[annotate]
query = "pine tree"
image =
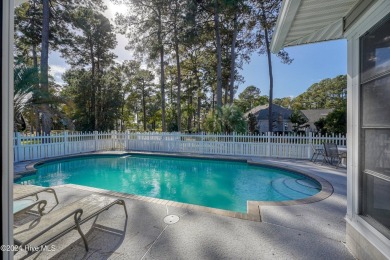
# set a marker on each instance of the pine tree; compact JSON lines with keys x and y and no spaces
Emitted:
{"x":90,"y":53}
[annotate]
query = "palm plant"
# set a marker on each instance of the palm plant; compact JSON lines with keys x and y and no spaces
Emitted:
{"x":226,"y":119}
{"x":232,"y":119}
{"x":25,"y":80}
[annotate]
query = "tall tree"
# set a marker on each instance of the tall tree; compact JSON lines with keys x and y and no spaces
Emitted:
{"x":233,"y":57}
{"x":236,"y":20}
{"x":177,"y":24}
{"x":91,"y":54}
{"x":144,"y":82}
{"x":146,"y":30}
{"x":46,"y":117}
{"x":128,"y":71}
{"x":219,"y":52}
{"x":45,"y":22}
{"x":28,"y":28}
{"x":267,"y":11}
{"x":328,"y":93}
{"x":249,"y":98}
{"x":162,"y":68}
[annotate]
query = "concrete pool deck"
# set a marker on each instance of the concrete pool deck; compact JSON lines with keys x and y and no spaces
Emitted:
{"x":305,"y":231}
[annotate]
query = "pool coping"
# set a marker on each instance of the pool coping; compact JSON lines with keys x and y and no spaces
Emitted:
{"x":253,"y":207}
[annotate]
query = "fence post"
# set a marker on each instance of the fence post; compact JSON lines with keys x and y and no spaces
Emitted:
{"x":234,"y":143}
{"x":202,"y":141}
{"x":177,"y":140}
{"x":66,"y":143}
{"x":164,"y":143}
{"x":268,"y":144}
{"x":95,"y":134}
{"x":113,"y":139}
{"x":310,"y":151}
{"x":127,"y":140}
{"x":18,"y":147}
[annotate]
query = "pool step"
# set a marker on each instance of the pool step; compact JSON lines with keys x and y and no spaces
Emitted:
{"x":296,"y":186}
{"x":292,"y":189}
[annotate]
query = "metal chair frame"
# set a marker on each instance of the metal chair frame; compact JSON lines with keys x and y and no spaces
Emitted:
{"x":316,"y":152}
{"x":332,"y":155}
{"x":78,"y":220}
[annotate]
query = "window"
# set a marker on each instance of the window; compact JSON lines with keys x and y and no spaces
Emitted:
{"x":375,"y":127}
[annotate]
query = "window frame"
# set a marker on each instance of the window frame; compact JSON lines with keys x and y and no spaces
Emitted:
{"x":363,"y":173}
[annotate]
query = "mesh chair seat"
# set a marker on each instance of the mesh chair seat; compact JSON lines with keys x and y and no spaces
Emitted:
{"x":332,"y":155}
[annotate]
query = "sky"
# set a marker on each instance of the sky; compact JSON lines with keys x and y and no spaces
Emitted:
{"x":311,"y":64}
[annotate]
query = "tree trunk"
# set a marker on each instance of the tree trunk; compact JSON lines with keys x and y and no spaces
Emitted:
{"x":144,"y":105}
{"x":199,"y":107}
{"x":162,"y":80}
{"x":34,"y":54}
{"x":178,"y":71}
{"x":98,"y":99}
{"x":271,"y":80}
{"x":46,"y":117}
{"x":199,"y":97}
{"x":35,"y":108}
{"x":226,"y":84}
{"x":233,"y":57}
{"x":178,"y":88}
{"x":189,"y":108}
{"x":212,"y":100}
{"x":34,"y":45}
{"x":189,"y":105}
{"x":35,"y":64}
{"x":38,"y":129}
{"x":123,"y":112}
{"x":219,"y":54}
{"x":171,"y":92}
{"x":93,"y":108}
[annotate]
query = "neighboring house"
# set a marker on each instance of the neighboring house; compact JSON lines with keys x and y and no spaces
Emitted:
{"x":313,"y":115}
{"x":281,"y":118}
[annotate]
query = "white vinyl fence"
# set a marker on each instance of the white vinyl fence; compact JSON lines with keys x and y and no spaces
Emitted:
{"x":28,"y":147}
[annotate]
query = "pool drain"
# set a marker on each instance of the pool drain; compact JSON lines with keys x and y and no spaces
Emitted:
{"x":171,"y":219}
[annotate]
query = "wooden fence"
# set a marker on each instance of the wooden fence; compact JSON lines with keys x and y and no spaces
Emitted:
{"x":29,"y":147}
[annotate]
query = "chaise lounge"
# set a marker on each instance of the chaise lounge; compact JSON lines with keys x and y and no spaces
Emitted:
{"x":60,"y":222}
{"x":24,"y":191}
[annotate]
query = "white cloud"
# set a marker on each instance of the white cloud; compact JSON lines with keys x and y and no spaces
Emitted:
{"x":112,"y":9}
{"x":56,"y":71}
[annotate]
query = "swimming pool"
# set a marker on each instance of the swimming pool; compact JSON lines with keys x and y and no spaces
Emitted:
{"x":212,"y":183}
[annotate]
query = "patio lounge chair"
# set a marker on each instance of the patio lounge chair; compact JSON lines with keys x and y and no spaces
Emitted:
{"x":23,"y":205}
{"x":58,"y":223}
{"x":331,"y":155}
{"x":317,"y":151}
{"x":24,"y":191}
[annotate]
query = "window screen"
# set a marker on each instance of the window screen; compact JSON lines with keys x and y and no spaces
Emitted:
{"x":375,"y":126}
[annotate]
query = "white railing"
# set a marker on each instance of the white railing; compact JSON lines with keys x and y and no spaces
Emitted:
{"x":28,"y":147}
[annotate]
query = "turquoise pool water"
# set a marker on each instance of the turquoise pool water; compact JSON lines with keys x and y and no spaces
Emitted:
{"x":212,"y":183}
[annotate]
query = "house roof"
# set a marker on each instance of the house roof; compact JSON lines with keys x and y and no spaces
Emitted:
{"x":308,"y":21}
{"x":255,"y":110}
{"x":261,"y":112}
{"x":313,"y":115}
